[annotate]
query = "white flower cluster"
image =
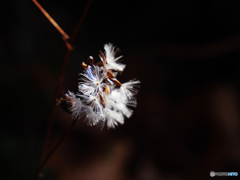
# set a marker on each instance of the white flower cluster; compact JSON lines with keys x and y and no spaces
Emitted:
{"x":102,"y":99}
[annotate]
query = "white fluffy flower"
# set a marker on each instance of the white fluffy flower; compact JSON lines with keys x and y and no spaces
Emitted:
{"x":102,"y":99}
{"x":92,"y":80}
{"x":111,"y":60}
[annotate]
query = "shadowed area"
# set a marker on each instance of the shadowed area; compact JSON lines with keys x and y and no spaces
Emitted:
{"x":186,"y":55}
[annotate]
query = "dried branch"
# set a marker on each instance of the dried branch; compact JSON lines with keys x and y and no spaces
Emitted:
{"x":56,"y":146}
{"x":68,"y":41}
{"x":65,"y":36}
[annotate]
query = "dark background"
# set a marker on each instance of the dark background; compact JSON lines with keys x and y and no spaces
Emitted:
{"x":186,"y":55}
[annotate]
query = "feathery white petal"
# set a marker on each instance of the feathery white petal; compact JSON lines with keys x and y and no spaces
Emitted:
{"x":94,"y":102}
{"x":113,"y":117}
{"x":90,"y":116}
{"x":129,"y":88}
{"x":92,"y":79}
{"x":121,"y":103}
{"x":76,"y":105}
{"x":112,"y":63}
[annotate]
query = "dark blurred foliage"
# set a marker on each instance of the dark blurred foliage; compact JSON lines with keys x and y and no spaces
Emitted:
{"x":187,"y":120}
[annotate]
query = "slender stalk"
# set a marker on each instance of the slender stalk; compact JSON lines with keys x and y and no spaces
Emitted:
{"x":56,"y":146}
{"x":74,"y":34}
{"x":54,"y":107}
{"x":53,"y":150}
{"x":68,"y":41}
{"x":60,"y":80}
{"x":51,"y":20}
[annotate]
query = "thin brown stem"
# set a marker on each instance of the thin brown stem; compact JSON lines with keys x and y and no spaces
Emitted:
{"x":74,"y":34}
{"x":56,"y":146}
{"x":66,"y":37}
{"x":60,"y":80}
{"x":53,"y":150}
{"x":54,"y":107}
